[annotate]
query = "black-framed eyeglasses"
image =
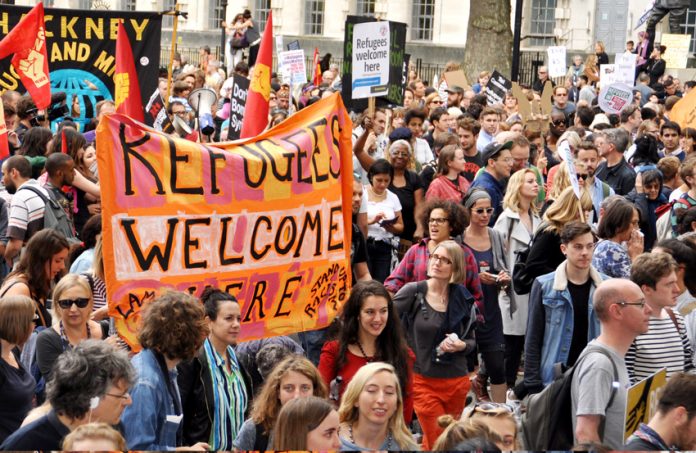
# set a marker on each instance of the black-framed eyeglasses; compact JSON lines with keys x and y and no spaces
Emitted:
{"x":583,"y":177}
{"x":437,"y":221}
{"x":125,"y":396}
{"x":81,"y":302}
{"x":640,"y":304}
{"x":440,"y":259}
{"x":480,"y":211}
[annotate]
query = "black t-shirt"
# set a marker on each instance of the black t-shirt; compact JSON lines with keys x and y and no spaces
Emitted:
{"x":45,"y":433}
{"x":580,"y":294}
{"x":473,"y":165}
{"x":16,"y":392}
{"x":358,"y":249}
{"x":407,"y":198}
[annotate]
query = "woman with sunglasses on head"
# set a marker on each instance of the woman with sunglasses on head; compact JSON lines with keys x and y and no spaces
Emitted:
{"x":42,"y":262}
{"x":294,"y":377}
{"x":500,"y":419}
{"x":213,"y":385}
{"x":369,"y":330}
{"x":371,"y":412}
{"x":517,"y":224}
{"x":449,"y":183}
{"x":384,"y":220}
{"x":619,"y":224}
{"x":439,"y":316}
{"x":72,"y":309}
{"x":489,"y":252}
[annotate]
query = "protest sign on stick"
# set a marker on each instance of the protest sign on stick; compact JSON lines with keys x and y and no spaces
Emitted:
{"x":240,"y":89}
{"x":625,"y":65}
{"x":557,"y":61}
{"x":607,"y":74}
{"x":677,"y":53}
{"x":267,"y":219}
{"x":370,"y":75}
{"x":292,"y":65}
{"x":498,"y":86}
{"x":613,"y":98}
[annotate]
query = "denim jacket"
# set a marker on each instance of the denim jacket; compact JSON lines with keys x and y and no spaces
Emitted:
{"x":550,"y":293}
{"x":145,"y":421}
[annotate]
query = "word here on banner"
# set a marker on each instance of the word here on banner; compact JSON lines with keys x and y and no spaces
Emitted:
{"x":266,"y":219}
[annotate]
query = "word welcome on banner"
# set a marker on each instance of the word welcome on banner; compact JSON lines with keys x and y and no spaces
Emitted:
{"x":81,"y":48}
{"x":267,"y":219}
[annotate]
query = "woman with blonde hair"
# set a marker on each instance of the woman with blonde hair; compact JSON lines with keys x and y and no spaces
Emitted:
{"x":561,"y":181}
{"x":71,"y":313}
{"x":517,"y":224}
{"x":294,"y":377}
{"x":371,"y":412}
{"x":432,"y":102}
{"x":483,"y":78}
{"x":591,"y":69}
{"x":574,"y":141}
{"x":545,"y":252}
{"x":94,"y":437}
{"x":498,"y":418}
{"x":456,"y":432}
{"x":439,"y":316}
{"x":307,"y":424}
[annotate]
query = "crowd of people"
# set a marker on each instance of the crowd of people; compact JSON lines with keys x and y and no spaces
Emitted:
{"x":485,"y":259}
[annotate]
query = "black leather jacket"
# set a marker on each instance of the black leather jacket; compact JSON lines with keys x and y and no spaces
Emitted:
{"x":197,"y":399}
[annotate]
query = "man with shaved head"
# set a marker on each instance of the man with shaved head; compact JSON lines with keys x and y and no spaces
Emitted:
{"x":600,"y":381}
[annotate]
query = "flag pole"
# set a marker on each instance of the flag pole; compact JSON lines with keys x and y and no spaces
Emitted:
{"x":171,"y":52}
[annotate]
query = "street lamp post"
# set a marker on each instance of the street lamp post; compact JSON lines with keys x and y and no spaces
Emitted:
{"x":223,"y":35}
{"x":516,"y":39}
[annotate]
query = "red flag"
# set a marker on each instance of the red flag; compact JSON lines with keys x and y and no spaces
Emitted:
{"x":27,"y":41}
{"x":126,"y":87}
{"x":317,"y":68}
{"x":256,"y":110}
{"x":4,"y":144}
{"x":63,"y":142}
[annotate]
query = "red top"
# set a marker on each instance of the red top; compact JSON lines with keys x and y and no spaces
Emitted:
{"x":327,"y":368}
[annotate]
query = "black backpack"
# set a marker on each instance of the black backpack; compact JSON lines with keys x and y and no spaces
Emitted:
{"x":547,"y":423}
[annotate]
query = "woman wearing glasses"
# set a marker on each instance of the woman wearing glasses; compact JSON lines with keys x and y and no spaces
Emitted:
{"x":439,"y":316}
{"x":72,"y":308}
{"x":489,"y":252}
{"x":432,"y":102}
{"x":449,"y":183}
{"x":384,"y":221}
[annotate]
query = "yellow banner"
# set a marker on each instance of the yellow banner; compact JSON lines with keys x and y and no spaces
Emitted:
{"x":641,"y":402}
{"x":267,"y":219}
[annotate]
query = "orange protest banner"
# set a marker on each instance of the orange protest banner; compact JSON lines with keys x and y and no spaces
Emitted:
{"x":684,"y":111}
{"x":267,"y":219}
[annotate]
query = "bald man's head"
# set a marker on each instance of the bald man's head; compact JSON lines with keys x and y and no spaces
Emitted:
{"x":612,"y":291}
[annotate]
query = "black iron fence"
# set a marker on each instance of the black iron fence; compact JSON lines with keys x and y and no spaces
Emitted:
{"x":529,"y":63}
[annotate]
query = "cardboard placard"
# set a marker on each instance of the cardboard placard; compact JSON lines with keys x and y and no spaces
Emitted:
{"x":457,"y":78}
{"x":677,"y":53}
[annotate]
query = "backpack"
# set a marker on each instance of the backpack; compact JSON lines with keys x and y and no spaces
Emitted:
{"x":521,"y":283}
{"x":547,"y":423}
{"x":54,"y":215}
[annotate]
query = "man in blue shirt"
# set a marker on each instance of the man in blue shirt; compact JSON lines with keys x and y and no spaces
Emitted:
{"x":498,"y":160}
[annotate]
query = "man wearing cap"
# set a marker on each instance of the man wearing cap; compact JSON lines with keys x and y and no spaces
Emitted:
{"x":498,"y":161}
{"x":455,"y":94}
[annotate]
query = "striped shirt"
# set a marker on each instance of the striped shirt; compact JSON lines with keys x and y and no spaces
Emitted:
{"x":230,"y":398}
{"x":661,"y":347}
{"x":26,"y":212}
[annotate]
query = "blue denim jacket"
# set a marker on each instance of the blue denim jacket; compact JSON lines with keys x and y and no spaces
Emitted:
{"x":145,"y":422}
{"x":550,"y":294}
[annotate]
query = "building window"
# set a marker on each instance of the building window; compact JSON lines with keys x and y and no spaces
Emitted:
{"x":314,"y":17}
{"x":129,"y":5}
{"x":365,"y":8}
{"x":543,"y":21}
{"x":422,"y":20}
{"x":167,"y":20}
{"x":84,"y":4}
{"x":217,"y":14}
{"x":262,"y":9}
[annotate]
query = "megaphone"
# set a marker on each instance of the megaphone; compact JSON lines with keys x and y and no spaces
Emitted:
{"x":201,"y":100}
{"x":181,"y":126}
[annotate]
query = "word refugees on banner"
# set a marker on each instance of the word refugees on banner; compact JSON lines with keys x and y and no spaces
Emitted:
{"x":267,"y":219}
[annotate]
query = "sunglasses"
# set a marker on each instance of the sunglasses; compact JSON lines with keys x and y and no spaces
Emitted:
{"x":81,"y":302}
{"x":559,"y":123}
{"x":583,"y":177}
{"x":496,"y":408}
{"x":480,"y":211}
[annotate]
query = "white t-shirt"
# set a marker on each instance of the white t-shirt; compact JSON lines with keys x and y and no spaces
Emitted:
{"x":390,"y":206}
{"x":423,"y":152}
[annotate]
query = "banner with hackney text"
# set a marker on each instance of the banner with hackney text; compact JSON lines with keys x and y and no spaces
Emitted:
{"x":81,"y":47}
{"x":267,"y":219}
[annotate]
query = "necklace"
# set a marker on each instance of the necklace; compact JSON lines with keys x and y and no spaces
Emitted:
{"x":64,"y":337}
{"x":389,"y":439}
{"x":362,"y":351}
{"x":375,"y":196}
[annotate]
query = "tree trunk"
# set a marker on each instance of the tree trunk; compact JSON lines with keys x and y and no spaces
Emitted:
{"x":489,"y":38}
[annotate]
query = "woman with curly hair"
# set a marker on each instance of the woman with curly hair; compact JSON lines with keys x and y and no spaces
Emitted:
{"x":370,"y":330}
{"x":294,"y":377}
{"x":213,"y":385}
{"x":173,"y":329}
{"x":371,"y":412}
{"x":41,"y":264}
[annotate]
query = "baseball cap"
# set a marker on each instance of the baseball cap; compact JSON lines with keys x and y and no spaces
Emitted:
{"x":455,"y":89}
{"x":493,"y":149}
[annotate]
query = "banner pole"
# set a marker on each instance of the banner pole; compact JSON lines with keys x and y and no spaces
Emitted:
{"x":371,"y":107}
{"x":171,"y":55}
